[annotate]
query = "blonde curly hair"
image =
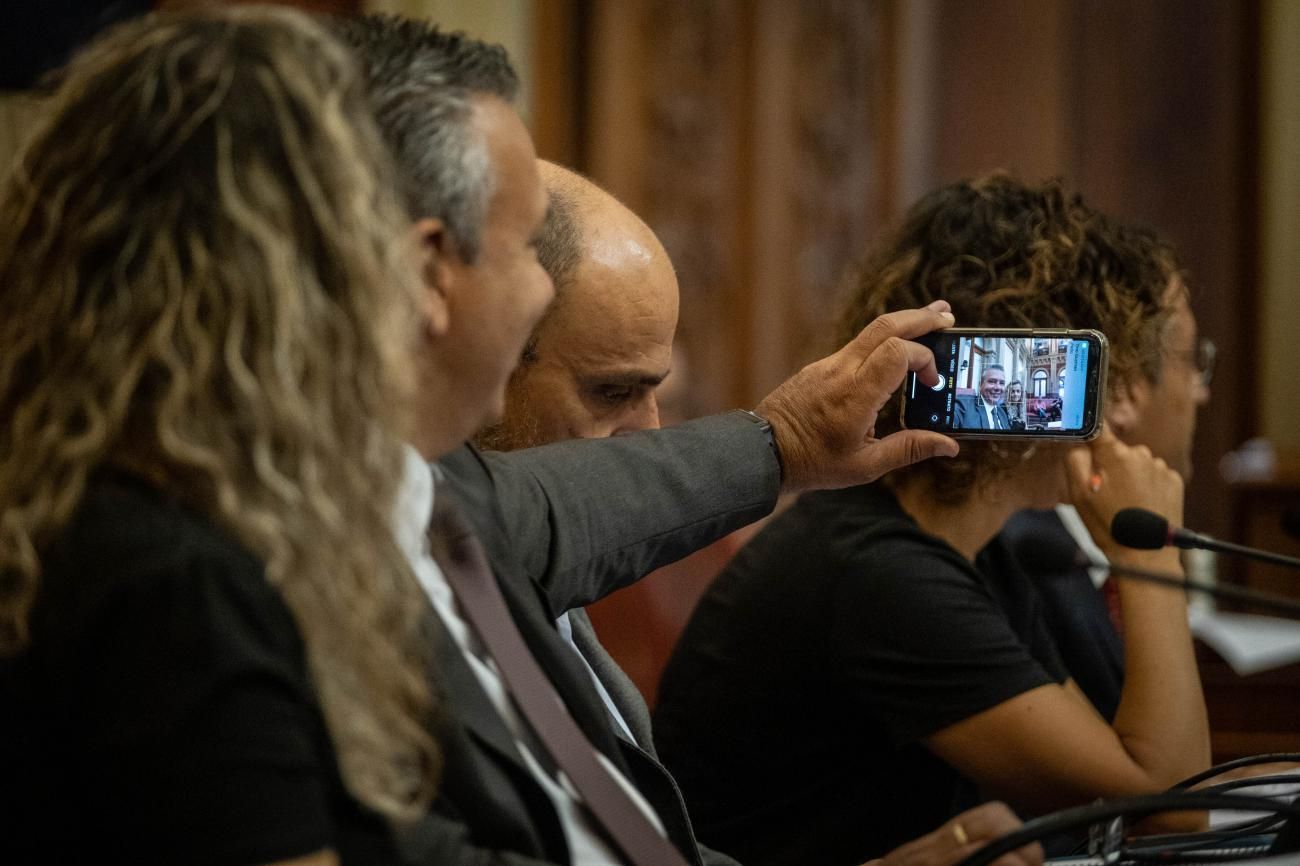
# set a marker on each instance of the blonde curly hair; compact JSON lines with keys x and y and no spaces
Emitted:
{"x":1007,"y":254}
{"x":202,"y":281}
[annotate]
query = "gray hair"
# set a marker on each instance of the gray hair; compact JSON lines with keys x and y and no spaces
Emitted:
{"x":422,"y":83}
{"x":986,"y":370}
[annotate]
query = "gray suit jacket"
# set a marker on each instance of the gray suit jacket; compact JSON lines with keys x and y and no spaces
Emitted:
{"x":631,"y":706}
{"x":564,"y":526}
{"x":969,"y":414}
{"x":622,"y":691}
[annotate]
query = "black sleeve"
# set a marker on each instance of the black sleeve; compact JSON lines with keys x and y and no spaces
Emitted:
{"x":588,"y":517}
{"x":202,"y":741}
{"x":922,"y":644}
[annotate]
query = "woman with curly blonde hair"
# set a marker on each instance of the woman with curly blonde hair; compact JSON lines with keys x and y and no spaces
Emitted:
{"x":879,"y":634}
{"x":209,"y":640}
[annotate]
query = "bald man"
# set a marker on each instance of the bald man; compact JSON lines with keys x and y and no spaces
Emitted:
{"x":590,"y":369}
{"x":593,"y":363}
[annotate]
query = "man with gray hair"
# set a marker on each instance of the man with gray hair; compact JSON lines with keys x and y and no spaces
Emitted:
{"x":984,"y":410}
{"x":532,"y":769}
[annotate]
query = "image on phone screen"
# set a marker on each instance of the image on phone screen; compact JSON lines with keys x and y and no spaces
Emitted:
{"x":992,"y":385}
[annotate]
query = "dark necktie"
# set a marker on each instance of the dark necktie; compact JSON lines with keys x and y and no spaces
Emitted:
{"x":470,"y":576}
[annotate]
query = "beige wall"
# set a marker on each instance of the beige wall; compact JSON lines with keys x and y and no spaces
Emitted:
{"x":1279,"y":383}
{"x":508,"y":22}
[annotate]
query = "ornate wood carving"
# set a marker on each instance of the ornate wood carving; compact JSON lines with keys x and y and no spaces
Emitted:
{"x":692,"y":174}
{"x":835,"y":200}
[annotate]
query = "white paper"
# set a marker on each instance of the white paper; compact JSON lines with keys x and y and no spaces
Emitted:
{"x":1247,"y":642}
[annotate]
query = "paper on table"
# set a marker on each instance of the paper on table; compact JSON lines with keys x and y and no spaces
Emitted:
{"x":1247,"y":642}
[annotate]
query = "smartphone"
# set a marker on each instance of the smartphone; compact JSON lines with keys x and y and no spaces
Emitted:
{"x":1011,"y":383}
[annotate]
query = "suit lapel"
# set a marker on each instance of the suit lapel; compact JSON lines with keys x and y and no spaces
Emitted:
{"x":622,"y":691}
{"x":566,"y":672}
{"x":464,"y":697}
{"x":528,"y":608}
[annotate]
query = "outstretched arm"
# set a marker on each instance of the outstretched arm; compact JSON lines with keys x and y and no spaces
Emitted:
{"x":585,"y":518}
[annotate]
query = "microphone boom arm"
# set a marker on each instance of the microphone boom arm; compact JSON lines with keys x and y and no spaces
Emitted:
{"x":1186,"y":539}
{"x":1263,"y":600}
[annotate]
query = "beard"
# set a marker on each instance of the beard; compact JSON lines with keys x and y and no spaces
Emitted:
{"x":515,"y":431}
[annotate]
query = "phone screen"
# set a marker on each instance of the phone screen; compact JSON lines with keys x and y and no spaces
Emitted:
{"x":991,"y":384}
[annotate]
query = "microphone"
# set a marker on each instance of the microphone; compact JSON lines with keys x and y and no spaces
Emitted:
{"x":1146,"y":530}
{"x":1056,"y":558}
{"x":1141,"y":529}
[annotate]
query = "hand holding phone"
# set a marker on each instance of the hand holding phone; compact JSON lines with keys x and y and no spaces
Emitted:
{"x":1011,"y":384}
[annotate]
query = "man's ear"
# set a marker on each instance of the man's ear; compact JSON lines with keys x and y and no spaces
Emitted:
{"x":440,"y":269}
{"x":1125,"y":407}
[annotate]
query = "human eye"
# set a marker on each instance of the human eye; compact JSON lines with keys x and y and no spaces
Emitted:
{"x":613,"y":394}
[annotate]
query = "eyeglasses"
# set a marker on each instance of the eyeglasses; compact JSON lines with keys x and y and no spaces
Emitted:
{"x":1202,"y":359}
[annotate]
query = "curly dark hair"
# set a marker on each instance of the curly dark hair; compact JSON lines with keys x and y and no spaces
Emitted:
{"x":1006,"y":254}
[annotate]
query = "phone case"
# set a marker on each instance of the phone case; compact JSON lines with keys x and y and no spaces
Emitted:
{"x":1030,"y":333}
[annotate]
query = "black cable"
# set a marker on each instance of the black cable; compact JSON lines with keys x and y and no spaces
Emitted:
{"x":1195,"y":842}
{"x":1129,"y":808}
{"x":1254,"y":782}
{"x":1151,"y":847}
{"x":1249,"y":761}
{"x":1220,"y":835}
{"x":1166,"y":842}
{"x":1226,"y":833}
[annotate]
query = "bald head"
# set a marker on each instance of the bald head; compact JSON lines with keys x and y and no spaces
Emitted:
{"x":593,"y":363}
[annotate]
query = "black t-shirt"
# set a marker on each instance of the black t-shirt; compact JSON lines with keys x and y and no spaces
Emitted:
{"x":1074,"y":609}
{"x":792,"y":710}
{"x":163,"y":711}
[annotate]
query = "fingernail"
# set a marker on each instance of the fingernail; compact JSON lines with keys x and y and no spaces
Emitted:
{"x":948,"y":317}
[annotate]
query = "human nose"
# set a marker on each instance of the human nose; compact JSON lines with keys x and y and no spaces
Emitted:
{"x":643,"y":416}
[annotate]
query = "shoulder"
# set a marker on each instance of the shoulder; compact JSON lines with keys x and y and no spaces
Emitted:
{"x":858,"y":536}
{"x":168,"y":671}
{"x":132,"y":554}
{"x":466,"y":460}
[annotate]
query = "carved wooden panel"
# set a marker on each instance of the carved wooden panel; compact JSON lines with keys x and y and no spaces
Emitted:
{"x":668,"y":136}
{"x":747,"y":134}
{"x":752,"y":136}
{"x":1166,"y":134}
{"x":1146,"y":109}
{"x":824,"y":143}
{"x":767,"y":141}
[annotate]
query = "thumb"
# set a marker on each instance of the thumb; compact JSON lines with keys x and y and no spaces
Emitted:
{"x":1078,"y":470}
{"x":903,"y":449}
